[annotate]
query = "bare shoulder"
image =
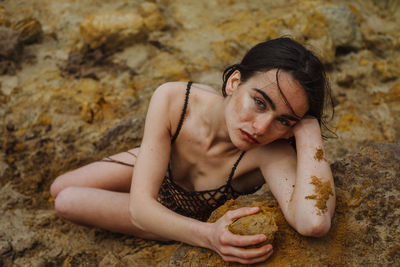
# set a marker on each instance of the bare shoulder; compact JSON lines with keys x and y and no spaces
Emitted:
{"x":172,"y":90}
{"x":173,"y":94}
{"x":169,"y":99}
{"x":169,"y":90}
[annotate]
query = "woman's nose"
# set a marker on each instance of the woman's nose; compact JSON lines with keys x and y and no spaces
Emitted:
{"x":262,"y":123}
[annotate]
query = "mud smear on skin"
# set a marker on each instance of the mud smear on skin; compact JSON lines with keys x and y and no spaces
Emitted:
{"x":319,"y":155}
{"x":322,"y":192}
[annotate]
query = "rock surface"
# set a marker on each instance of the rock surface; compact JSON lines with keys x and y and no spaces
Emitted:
{"x":365,"y":229}
{"x":64,"y":104}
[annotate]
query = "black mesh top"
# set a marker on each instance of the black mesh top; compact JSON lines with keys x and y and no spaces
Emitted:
{"x":196,"y":204}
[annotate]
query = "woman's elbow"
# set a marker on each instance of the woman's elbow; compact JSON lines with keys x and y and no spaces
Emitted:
{"x":316,"y":228}
{"x":133,"y":214}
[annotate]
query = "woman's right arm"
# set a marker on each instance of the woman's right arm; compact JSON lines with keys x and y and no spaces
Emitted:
{"x":150,"y":168}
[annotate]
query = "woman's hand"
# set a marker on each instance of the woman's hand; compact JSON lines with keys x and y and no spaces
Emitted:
{"x":231,"y":247}
{"x":306,"y":126}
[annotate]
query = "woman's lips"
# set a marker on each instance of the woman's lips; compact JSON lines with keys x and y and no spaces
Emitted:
{"x":248,"y":137}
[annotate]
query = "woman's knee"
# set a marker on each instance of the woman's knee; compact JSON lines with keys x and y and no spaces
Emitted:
{"x":58,"y":185}
{"x":64,"y":201}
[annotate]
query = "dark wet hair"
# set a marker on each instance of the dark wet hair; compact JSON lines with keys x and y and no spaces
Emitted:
{"x":290,"y":56}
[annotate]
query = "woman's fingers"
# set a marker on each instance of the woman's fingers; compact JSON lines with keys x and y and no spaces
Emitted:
{"x":233,"y":215}
{"x":245,"y":259}
{"x":235,"y":248}
{"x":230,"y":239}
{"x":247,"y":253}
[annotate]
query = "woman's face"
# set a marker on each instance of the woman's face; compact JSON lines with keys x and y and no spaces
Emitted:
{"x":257,"y":113}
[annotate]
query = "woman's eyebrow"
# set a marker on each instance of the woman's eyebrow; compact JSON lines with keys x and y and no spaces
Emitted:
{"x":290,"y":117}
{"x":266,"y":97}
{"x":272,"y":104}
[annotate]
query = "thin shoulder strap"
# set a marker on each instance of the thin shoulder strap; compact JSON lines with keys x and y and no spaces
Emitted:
{"x":183,"y":112}
{"x":234,"y":167}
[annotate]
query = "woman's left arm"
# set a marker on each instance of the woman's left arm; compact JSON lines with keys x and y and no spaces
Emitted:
{"x":303,"y":183}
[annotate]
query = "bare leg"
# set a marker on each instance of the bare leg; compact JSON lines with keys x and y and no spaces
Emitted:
{"x":103,"y":175}
{"x":100,"y":208}
{"x":98,"y":195}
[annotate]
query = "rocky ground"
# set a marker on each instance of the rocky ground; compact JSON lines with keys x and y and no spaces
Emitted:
{"x":76,"y":77}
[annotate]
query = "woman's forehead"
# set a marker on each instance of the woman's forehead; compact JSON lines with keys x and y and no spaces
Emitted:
{"x":280,"y":85}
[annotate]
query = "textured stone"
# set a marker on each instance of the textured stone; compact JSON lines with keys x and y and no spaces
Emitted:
{"x":121,"y":132}
{"x":260,"y":223}
{"x":203,"y":37}
{"x":152,"y":18}
{"x":4,"y":18}
{"x":112,"y":30}
{"x":4,"y":247}
{"x":110,"y":260}
{"x":10,"y":44}
{"x":365,"y":229}
{"x":343,"y":26}
{"x":29,"y":29}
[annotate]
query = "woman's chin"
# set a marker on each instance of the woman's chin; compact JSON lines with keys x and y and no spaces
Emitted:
{"x":244,"y":145}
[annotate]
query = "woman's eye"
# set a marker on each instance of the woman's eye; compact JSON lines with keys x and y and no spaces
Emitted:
{"x":259,"y":102}
{"x":284,"y":122}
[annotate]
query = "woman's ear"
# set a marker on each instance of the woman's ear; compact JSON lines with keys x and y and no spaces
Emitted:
{"x":233,"y":82}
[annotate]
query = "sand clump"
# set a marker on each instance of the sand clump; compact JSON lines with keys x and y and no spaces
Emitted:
{"x":323,"y":190}
{"x":319,"y":154}
{"x":260,"y":223}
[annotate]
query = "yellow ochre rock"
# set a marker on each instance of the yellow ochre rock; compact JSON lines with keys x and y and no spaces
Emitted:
{"x":29,"y":29}
{"x":112,"y":30}
{"x":152,"y":18}
{"x":4,"y":18}
{"x":260,"y":223}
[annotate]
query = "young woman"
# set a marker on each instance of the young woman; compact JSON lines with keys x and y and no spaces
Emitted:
{"x":200,"y":148}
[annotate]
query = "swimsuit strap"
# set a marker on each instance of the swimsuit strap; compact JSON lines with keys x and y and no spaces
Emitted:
{"x":234,"y":168}
{"x":189,"y":84}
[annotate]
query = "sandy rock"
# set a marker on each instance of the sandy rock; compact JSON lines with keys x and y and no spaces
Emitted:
{"x":4,"y":18}
{"x":134,"y":56}
{"x":155,"y":255}
{"x":317,"y":36}
{"x":32,"y":262}
{"x":343,"y":26}
{"x":204,"y":37}
{"x":323,"y":48}
{"x":23,"y":241}
{"x":8,"y":84}
{"x":29,"y":29}
{"x":11,"y":49}
{"x":260,"y":223}
{"x":152,"y":18}
{"x":154,"y":22}
{"x":4,"y":247}
{"x":387,"y":70}
{"x":366,"y":219}
{"x":10,"y":44}
{"x":124,"y":131}
{"x":110,"y":260}
{"x":148,"y":8}
{"x":166,"y":65}
{"x":379,"y":42}
{"x":112,"y":30}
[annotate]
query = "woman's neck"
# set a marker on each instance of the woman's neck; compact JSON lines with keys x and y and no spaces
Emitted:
{"x":217,"y":138}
